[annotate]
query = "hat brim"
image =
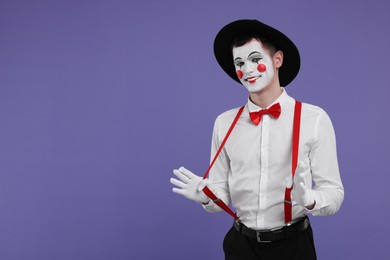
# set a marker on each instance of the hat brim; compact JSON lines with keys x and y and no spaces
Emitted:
{"x":225,"y":37}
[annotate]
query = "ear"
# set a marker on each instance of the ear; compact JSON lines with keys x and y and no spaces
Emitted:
{"x":278,"y":59}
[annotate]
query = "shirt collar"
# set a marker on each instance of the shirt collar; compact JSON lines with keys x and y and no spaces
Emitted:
{"x":252,"y":107}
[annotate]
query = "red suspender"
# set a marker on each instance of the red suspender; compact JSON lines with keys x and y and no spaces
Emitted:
{"x":294,"y":161}
{"x":295,"y":144}
{"x":206,"y":190}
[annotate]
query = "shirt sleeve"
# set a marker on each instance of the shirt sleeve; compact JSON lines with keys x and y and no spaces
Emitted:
{"x":328,"y":189}
{"x":219,"y":172}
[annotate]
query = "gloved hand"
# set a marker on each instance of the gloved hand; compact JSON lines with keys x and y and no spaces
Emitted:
{"x":190,"y":185}
{"x":300,"y":193}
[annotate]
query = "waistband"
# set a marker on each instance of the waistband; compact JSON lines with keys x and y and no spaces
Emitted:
{"x":270,"y":236}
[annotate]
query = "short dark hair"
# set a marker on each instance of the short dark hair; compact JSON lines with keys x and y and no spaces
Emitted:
{"x":243,"y":39}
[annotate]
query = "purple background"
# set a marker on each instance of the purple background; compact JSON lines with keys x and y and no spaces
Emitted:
{"x":100,"y":100}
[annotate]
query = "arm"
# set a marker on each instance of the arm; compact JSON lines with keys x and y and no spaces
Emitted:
{"x":328,"y":191}
{"x":220,"y":171}
{"x":191,"y":186}
{"x":327,"y":194}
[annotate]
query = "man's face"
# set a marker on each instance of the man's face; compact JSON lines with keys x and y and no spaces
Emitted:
{"x":253,"y":65}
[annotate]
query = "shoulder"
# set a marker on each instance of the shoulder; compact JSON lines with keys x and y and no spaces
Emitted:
{"x":224,"y":120}
{"x":228,"y":115}
{"x":315,"y":117}
{"x":313,"y":111}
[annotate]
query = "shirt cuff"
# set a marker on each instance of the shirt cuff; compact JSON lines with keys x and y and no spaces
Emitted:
{"x":319,"y":204}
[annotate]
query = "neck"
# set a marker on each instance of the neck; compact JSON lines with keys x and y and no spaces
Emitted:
{"x":266,"y":96}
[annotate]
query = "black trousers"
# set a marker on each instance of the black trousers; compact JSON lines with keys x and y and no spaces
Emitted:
{"x":237,"y":246}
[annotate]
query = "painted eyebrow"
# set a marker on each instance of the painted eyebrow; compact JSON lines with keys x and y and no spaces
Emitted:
{"x":254,"y":52}
{"x":250,"y":54}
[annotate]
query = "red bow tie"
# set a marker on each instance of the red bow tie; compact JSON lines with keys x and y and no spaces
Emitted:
{"x":274,"y":111}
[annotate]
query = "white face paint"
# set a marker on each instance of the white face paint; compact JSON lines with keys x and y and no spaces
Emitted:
{"x":253,"y":65}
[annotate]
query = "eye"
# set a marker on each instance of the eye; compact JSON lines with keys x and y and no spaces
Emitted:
{"x":256,"y":60}
{"x":240,"y":64}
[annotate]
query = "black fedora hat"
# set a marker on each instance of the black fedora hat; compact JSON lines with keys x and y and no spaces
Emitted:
{"x":225,"y":37}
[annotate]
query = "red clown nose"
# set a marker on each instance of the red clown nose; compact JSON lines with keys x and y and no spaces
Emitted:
{"x":239,"y":74}
{"x":261,"y":68}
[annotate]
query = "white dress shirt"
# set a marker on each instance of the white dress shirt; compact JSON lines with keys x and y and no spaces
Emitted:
{"x":251,"y":169}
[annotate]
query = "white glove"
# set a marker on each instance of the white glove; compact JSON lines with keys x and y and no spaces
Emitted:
{"x":300,"y":193}
{"x":190,"y":185}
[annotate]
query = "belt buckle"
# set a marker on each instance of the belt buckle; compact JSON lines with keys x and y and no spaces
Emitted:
{"x":258,"y":237}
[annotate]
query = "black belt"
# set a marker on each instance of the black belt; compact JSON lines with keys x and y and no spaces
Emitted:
{"x":268,"y":235}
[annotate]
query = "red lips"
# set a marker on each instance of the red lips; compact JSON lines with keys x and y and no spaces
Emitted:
{"x":252,"y":79}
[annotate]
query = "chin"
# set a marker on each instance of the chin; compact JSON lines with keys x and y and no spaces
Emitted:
{"x":255,"y":90}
